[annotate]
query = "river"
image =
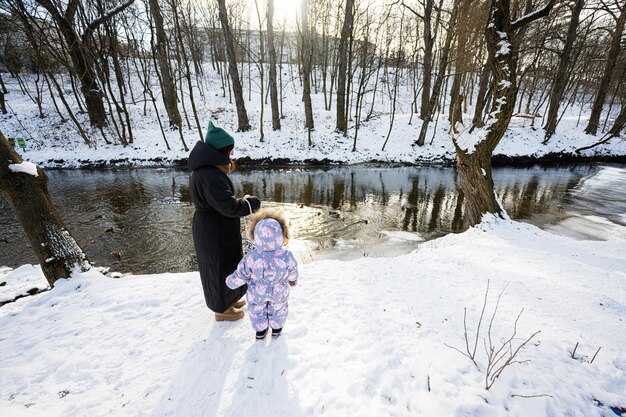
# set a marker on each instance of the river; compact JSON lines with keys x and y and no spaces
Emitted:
{"x":139,"y":220}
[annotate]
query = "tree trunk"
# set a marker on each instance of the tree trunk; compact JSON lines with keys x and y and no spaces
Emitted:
{"x":3,"y":107}
{"x":83,"y":63}
{"x":460,"y":62}
{"x":160,"y":50}
{"x":603,"y":89}
{"x":242,"y":115}
{"x":272,"y":66}
{"x":476,"y":181}
{"x":620,"y":122}
{"x":346,"y":30}
{"x":560,"y":80}
{"x":481,"y":98}
{"x":58,"y":253}
{"x":428,"y":61}
{"x":306,"y":59}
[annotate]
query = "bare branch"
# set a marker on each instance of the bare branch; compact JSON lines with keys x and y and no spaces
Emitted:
{"x":413,"y":11}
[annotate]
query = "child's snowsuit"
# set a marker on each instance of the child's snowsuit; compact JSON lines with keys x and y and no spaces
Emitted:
{"x":267,"y":270}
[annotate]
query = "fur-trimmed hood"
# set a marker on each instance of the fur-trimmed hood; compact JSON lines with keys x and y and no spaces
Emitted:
{"x":268,"y":229}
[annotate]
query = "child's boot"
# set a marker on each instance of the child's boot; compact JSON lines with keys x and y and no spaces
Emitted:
{"x":276,"y":332}
{"x":261,"y":335}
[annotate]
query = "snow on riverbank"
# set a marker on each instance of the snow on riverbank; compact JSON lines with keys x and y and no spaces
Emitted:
{"x":52,"y":143}
{"x":364,"y":338}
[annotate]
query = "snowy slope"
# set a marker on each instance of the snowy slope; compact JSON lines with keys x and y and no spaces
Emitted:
{"x":52,"y":143}
{"x":364,"y":338}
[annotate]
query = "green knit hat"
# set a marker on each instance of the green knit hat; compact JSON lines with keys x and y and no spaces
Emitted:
{"x":217,"y":137}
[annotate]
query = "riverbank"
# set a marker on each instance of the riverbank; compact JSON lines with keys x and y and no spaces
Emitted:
{"x":247,"y":162}
{"x":373,"y":336}
{"x":330,"y":149}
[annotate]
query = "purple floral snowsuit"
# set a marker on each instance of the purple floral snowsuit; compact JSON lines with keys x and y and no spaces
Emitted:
{"x":267,"y":270}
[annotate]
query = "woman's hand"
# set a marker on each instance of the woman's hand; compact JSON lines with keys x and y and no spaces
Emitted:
{"x":255,"y":203}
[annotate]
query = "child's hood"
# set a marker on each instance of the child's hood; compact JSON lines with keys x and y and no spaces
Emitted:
{"x":268,"y":235}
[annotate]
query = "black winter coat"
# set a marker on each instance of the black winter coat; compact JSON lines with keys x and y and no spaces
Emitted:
{"x":216,"y":226}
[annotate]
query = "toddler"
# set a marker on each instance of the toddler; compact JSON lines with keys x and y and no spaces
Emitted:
{"x":269,"y":270}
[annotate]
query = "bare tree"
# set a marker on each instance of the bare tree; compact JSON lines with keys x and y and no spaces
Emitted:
{"x":346,"y":32}
{"x":441,"y":73}
{"x":272,"y":66}
{"x":598,"y":103}
{"x":306,"y":59}
{"x":242,"y":115}
{"x":560,"y":79}
{"x":161,"y":53}
{"x":81,"y":56}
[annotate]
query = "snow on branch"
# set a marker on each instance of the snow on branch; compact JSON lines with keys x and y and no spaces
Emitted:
{"x":530,"y":17}
{"x":24,"y":167}
{"x":106,"y":16}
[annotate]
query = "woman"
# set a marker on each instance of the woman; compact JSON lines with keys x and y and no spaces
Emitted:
{"x":216,"y":227}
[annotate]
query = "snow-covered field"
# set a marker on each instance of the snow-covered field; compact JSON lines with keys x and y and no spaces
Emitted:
{"x":364,"y":338}
{"x":52,"y":143}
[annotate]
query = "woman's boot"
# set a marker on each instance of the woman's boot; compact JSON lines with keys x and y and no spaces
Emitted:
{"x":232,"y":314}
{"x":240,"y":303}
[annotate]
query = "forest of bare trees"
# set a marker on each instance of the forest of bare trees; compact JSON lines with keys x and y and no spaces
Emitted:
{"x":472,"y":63}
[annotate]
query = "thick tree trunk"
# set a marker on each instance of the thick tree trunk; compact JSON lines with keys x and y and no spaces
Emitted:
{"x":603,"y":89}
{"x":473,"y":159}
{"x":242,"y":115}
{"x":560,"y":79}
{"x":346,"y":30}
{"x":168,"y":88}
{"x":272,"y":64}
{"x":58,"y":253}
{"x":476,"y":181}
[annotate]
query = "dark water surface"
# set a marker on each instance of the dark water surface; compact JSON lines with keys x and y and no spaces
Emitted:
{"x":139,"y":220}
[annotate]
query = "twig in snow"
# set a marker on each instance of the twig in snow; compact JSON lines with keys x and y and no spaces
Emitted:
{"x":531,"y":396}
{"x":573,"y":356}
{"x":498,"y":357}
{"x":471,"y":353}
{"x":596,"y":354}
{"x":495,"y":366}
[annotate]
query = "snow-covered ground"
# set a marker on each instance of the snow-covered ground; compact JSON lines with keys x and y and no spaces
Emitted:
{"x":367,"y":337}
{"x":52,"y":143}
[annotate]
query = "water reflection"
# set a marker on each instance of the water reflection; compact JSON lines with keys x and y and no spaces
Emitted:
{"x":140,"y":220}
